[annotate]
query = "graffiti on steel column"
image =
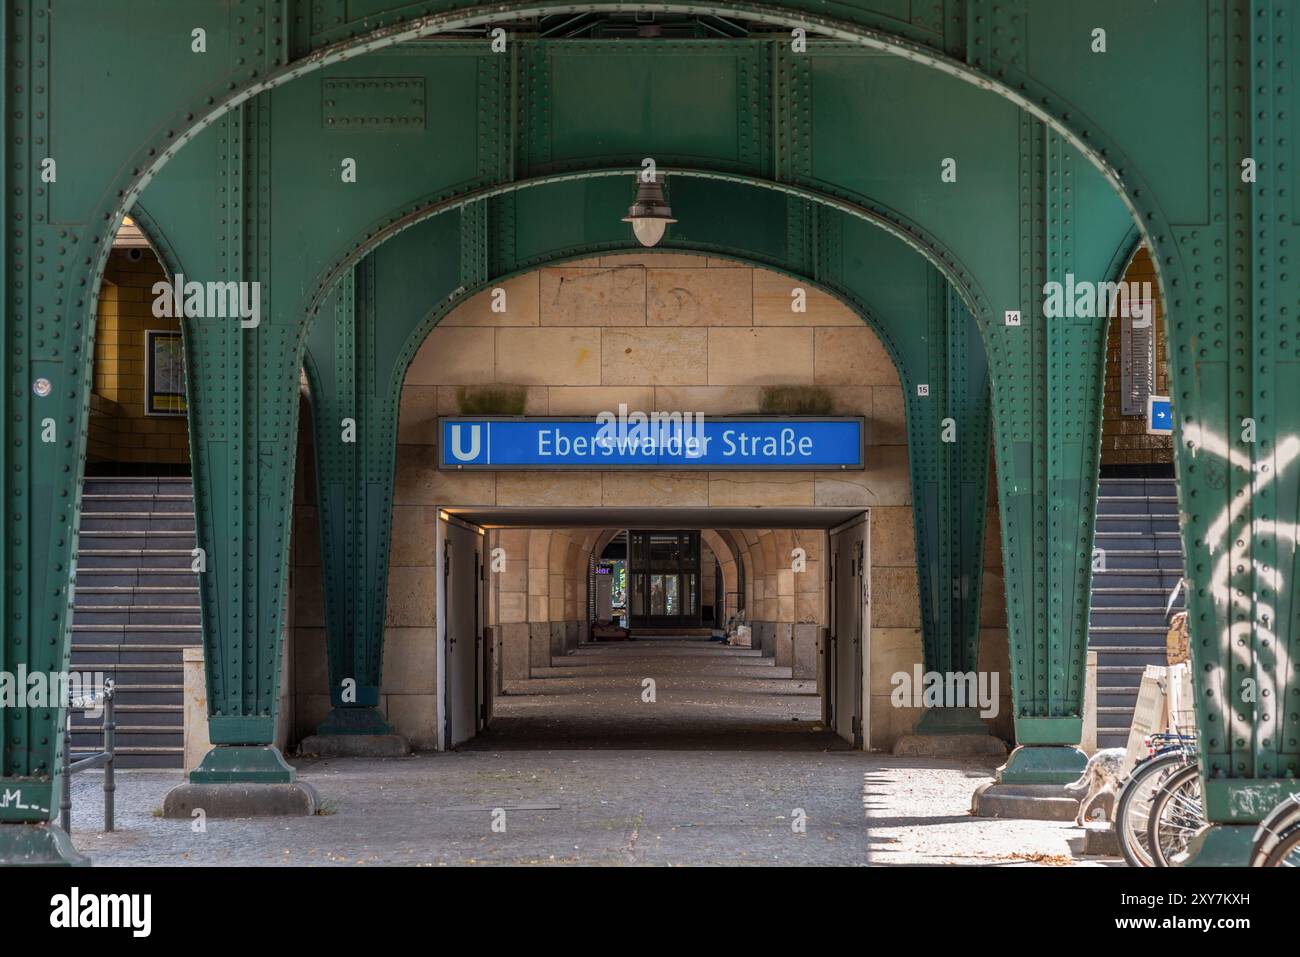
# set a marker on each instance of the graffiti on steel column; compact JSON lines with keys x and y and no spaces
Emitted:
{"x":1260,"y":617}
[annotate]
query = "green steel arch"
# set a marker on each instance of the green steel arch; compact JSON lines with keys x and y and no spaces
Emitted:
{"x":356,"y":371}
{"x":1223,"y":77}
{"x":1053,"y":700}
{"x":889,"y":220}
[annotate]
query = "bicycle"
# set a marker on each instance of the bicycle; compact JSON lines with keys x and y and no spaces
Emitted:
{"x":1169,"y":754}
{"x":1177,"y":814}
{"x":1277,"y":839}
{"x":1162,"y":795}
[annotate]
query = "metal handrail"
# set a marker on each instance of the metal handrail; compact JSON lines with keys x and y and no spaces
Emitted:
{"x":1173,"y":597}
{"x":102,"y":759}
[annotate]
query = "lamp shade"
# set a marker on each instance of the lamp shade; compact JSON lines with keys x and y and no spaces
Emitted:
{"x":649,"y":213}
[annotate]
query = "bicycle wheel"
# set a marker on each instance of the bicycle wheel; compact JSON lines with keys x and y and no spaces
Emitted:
{"x":1286,"y":853}
{"x":1177,"y":813}
{"x":1277,"y":823}
{"x":1134,"y":805}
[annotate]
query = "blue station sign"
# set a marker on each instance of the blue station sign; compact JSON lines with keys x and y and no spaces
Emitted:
{"x":653,"y":441}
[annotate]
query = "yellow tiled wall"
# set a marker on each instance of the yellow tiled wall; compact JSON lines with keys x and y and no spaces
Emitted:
{"x":1124,"y":439}
{"x":119,"y":429}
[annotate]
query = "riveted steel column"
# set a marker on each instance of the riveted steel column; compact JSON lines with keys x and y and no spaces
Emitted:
{"x":355,"y":429}
{"x":1047,"y":375}
{"x":1234,"y":359}
{"x":43,"y":374}
{"x":243,"y":384}
{"x":948,"y":456}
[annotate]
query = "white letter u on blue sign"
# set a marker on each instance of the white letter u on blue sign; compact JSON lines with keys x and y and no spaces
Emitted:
{"x":474,"y":444}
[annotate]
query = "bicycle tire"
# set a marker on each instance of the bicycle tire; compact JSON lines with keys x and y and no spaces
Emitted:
{"x":1286,"y":852}
{"x":1131,"y":820}
{"x":1276,"y":823}
{"x":1178,"y":808}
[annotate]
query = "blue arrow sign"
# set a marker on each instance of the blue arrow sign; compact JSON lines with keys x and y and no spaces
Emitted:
{"x":680,"y":442}
{"x":1160,"y":415}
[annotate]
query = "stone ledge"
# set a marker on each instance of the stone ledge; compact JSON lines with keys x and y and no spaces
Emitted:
{"x":355,"y":745}
{"x":1030,"y":802}
{"x":237,"y":800}
{"x":949,"y":746}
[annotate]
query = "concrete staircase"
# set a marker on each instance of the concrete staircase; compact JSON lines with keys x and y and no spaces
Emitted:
{"x":1137,"y":526}
{"x":136,"y":606}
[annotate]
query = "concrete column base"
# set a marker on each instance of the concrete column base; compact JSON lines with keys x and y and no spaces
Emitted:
{"x":949,"y":733}
{"x":1042,"y":764}
{"x":1100,"y":840}
{"x":943,"y":721}
{"x":355,"y":745}
{"x":1027,"y":802}
{"x":950,"y":746}
{"x":38,"y":845}
{"x":240,"y":799}
{"x":353,"y":719}
{"x":1220,"y":845}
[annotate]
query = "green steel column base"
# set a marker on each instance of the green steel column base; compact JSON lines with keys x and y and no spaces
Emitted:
{"x":1220,"y":845}
{"x":354,"y":720}
{"x":950,"y":721}
{"x":1039,"y":764}
{"x":1049,"y":731}
{"x":243,"y":763}
{"x":38,"y":845}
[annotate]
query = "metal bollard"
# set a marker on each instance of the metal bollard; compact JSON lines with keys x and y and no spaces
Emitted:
{"x":65,"y":792}
{"x":110,"y":786}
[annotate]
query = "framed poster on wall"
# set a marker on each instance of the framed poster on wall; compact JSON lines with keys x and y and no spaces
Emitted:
{"x":164,"y":376}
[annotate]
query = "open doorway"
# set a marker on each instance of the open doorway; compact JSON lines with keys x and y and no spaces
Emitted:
{"x":524,"y":667}
{"x":664,"y":579}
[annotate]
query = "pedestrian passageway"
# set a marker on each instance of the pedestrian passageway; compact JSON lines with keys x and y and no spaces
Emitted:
{"x":665,"y":628}
{"x":704,"y":694}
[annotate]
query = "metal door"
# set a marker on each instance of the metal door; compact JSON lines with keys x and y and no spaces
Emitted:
{"x":846,"y":680}
{"x":461,"y":557}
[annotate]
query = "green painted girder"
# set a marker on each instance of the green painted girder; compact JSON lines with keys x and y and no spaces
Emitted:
{"x":1047,"y":386}
{"x":948,"y":454}
{"x":242,"y":384}
{"x":1221,"y":76}
{"x":354,"y":418}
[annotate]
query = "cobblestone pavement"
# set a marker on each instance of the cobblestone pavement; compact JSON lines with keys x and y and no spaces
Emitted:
{"x":716,"y":771}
